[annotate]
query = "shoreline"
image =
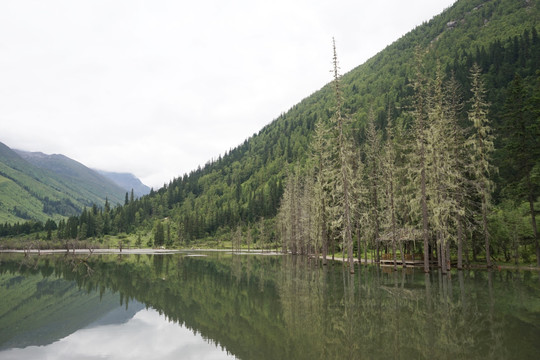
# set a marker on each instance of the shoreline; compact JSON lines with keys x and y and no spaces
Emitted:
{"x":88,"y":251}
{"x":131,"y":251}
{"x":119,"y":251}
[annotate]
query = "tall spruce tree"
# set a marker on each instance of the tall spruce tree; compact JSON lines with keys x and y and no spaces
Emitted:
{"x":481,"y":142}
{"x":418,"y":163}
{"x":462,"y":189}
{"x":320,"y":158}
{"x":444,"y":176}
{"x":521,"y":141}
{"x":373,"y":168}
{"x":159,"y":234}
{"x":341,"y":127}
{"x":390,"y":180}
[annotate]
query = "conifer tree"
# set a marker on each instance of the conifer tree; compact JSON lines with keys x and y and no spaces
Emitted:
{"x":309,"y":214}
{"x":521,"y":141}
{"x":321,"y":170}
{"x":249,"y":238}
{"x":444,"y":176}
{"x":481,"y":143}
{"x":373,"y":168}
{"x":290,"y":214}
{"x":341,"y":123}
{"x":390,"y":174}
{"x":418,"y":163}
{"x":360,"y":204}
{"x":237,"y":239}
{"x":462,"y":190}
{"x":159,"y":234}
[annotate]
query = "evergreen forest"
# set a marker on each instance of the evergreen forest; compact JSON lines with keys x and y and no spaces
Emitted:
{"x":429,"y":150}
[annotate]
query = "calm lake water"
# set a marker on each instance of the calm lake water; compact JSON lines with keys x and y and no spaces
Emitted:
{"x":225,"y":306}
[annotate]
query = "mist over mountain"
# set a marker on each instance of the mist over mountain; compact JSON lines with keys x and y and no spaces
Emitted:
{"x":127,"y":181}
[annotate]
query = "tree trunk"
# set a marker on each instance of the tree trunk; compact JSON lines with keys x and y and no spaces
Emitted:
{"x":443,"y":256}
{"x":460,"y":244}
{"x":448,"y":263}
{"x":392,"y":209}
{"x":376,"y":216}
{"x":438,"y":249}
{"x":402,"y":249}
{"x":324,"y":235}
{"x":348,"y":235}
{"x":485,"y":228}
{"x":365,"y":251}
{"x":533,"y":221}
{"x":424,"y":215}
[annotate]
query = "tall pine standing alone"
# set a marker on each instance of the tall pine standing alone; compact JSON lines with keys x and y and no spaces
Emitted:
{"x":372,"y":150}
{"x":320,"y":158}
{"x":481,"y":142}
{"x":389,"y":171}
{"x":454,"y":105}
{"x":341,"y":123}
{"x":418,"y":171}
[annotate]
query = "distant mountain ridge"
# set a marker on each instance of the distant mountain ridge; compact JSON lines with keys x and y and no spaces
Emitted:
{"x":127,"y":181}
{"x":36,"y":186}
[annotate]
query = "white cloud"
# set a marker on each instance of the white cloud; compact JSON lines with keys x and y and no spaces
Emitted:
{"x":159,"y":87}
{"x":148,"y":335}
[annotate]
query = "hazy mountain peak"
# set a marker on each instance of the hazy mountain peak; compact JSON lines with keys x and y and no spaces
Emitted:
{"x":127,"y":181}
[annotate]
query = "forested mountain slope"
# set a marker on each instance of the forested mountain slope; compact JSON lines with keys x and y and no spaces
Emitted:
{"x":245,"y":185}
{"x":35,"y":186}
{"x":247,"y":182}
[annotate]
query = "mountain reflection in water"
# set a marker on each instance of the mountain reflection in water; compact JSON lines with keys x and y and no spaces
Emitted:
{"x":148,"y":335}
{"x":289,"y":307}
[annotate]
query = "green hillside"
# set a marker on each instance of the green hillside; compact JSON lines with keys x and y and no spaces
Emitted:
{"x":90,"y":185}
{"x":246,"y":184}
{"x":244,"y":187}
{"x":40,"y":187}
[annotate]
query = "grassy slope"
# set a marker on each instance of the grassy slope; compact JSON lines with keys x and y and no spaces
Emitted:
{"x":27,"y":188}
{"x":89,"y":185}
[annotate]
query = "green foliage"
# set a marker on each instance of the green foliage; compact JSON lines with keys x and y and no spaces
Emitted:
{"x":38,"y":187}
{"x":37,"y":300}
{"x":283,"y":307}
{"x":246,"y":184}
{"x":159,"y":235}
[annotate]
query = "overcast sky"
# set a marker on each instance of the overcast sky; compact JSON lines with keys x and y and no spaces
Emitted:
{"x":158,"y":87}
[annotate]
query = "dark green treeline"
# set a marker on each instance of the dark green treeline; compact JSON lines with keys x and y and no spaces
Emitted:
{"x":244,"y":186}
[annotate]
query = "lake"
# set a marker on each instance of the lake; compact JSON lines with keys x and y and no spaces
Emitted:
{"x":218,"y":305}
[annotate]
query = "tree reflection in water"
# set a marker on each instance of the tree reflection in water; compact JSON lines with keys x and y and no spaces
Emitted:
{"x":292,"y":307}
